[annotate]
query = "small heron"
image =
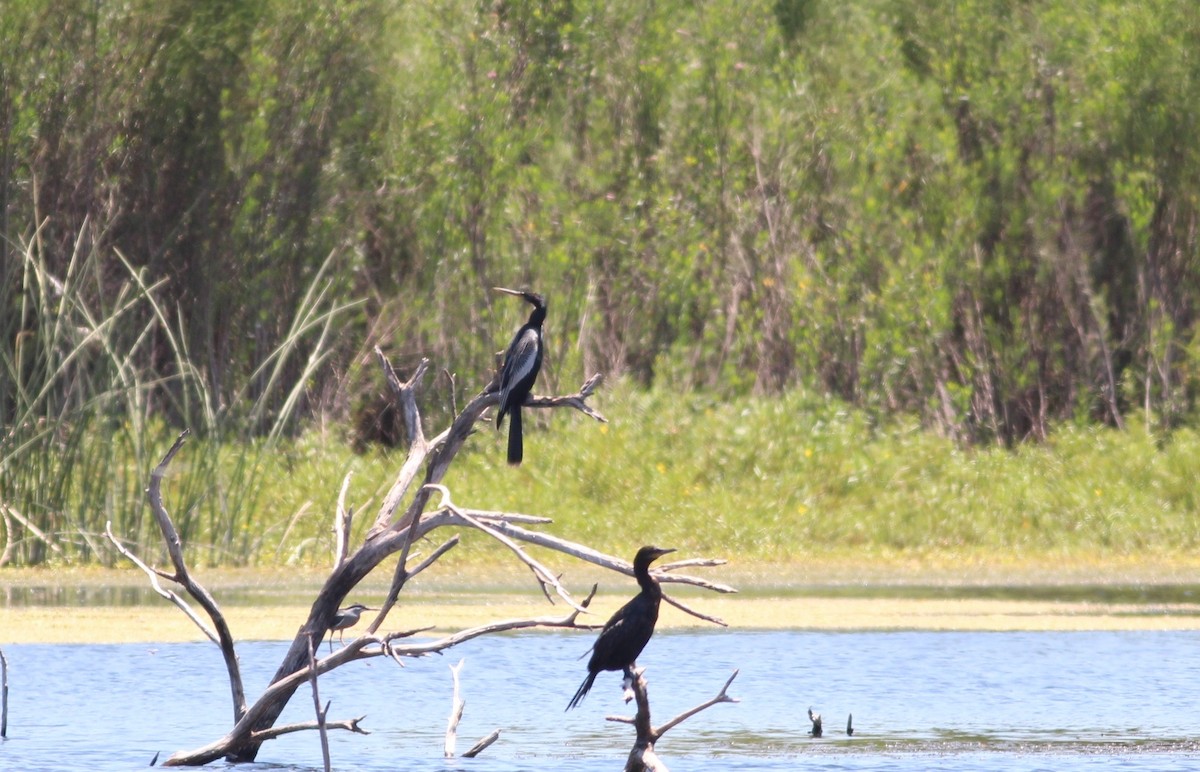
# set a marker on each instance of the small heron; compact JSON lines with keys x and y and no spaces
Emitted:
{"x":344,"y":618}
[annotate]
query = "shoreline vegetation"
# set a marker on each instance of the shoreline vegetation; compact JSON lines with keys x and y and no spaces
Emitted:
{"x":892,"y":276}
{"x":778,"y":480}
{"x":45,"y":606}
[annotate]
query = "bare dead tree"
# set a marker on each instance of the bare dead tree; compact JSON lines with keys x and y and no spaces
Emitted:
{"x":3,"y":695}
{"x":322,"y":728}
{"x":394,"y":531}
{"x":6,"y":521}
{"x":457,"y":705}
{"x":642,"y":758}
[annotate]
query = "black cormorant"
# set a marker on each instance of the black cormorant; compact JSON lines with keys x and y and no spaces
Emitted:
{"x":628,"y":631}
{"x":522,"y":362}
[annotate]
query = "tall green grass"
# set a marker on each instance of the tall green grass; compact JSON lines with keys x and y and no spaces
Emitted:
{"x":796,"y":476}
{"x":779,"y":479}
{"x":90,"y":365}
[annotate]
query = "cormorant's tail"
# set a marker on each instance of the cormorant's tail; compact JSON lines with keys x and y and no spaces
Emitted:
{"x":583,"y":690}
{"x":515,"y":447}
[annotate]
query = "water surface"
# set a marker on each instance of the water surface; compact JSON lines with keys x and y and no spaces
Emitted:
{"x":921,"y":700}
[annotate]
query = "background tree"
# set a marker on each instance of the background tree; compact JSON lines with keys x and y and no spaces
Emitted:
{"x":983,"y":215}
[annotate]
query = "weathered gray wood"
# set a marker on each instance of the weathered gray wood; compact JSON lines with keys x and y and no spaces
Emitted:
{"x":482,"y":745}
{"x":342,"y":521}
{"x":3,"y":695}
{"x":642,"y":757}
{"x":395,"y":529}
{"x":320,"y":711}
{"x":184,"y":578}
{"x":456,"y":711}
{"x":392,"y":532}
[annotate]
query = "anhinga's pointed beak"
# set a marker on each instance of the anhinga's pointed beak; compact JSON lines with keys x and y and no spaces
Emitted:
{"x":505,"y":290}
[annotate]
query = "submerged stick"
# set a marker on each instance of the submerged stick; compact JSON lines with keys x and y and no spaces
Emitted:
{"x":321,"y":712}
{"x":3,"y":696}
{"x":479,"y":747}
{"x":456,"y":711}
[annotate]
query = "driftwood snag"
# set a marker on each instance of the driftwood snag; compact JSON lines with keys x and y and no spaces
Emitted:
{"x":457,"y":704}
{"x":3,"y":696}
{"x":406,"y":515}
{"x":456,"y":711}
{"x":642,"y":758}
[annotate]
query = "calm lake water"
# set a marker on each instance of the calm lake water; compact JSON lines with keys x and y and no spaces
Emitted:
{"x":921,"y":700}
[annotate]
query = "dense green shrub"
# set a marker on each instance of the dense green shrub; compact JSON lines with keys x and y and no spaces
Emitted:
{"x":982,"y":213}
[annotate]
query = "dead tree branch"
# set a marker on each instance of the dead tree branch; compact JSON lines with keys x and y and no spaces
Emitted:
{"x":401,"y":522}
{"x":394,"y":531}
{"x":482,"y":745}
{"x":223,"y":637}
{"x":348,"y":725}
{"x":642,"y":757}
{"x":3,"y":695}
{"x":698,"y":614}
{"x":541,"y":573}
{"x":341,"y":524}
{"x":321,"y":712}
{"x":363,"y":647}
{"x":456,"y":711}
{"x":418,"y":448}
{"x":505,"y":526}
{"x":722,"y":696}
{"x":183,"y":605}
{"x":441,"y":644}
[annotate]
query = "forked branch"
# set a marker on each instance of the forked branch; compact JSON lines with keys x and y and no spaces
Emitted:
{"x":401,"y":522}
{"x":170,"y":595}
{"x":223,"y":637}
{"x":456,"y":711}
{"x":349,"y":725}
{"x":642,"y":758}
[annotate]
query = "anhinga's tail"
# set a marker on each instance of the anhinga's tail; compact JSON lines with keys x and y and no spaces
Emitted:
{"x":515,"y":447}
{"x":583,"y":690}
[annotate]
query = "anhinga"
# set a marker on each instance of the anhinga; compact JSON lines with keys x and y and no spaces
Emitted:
{"x":522,"y":362}
{"x":628,"y":631}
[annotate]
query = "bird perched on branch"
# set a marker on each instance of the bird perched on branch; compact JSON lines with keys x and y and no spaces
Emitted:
{"x":628,"y":631}
{"x":346,"y":617}
{"x":522,"y":362}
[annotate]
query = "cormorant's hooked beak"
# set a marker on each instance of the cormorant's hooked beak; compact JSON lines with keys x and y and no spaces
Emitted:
{"x":663,"y":551}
